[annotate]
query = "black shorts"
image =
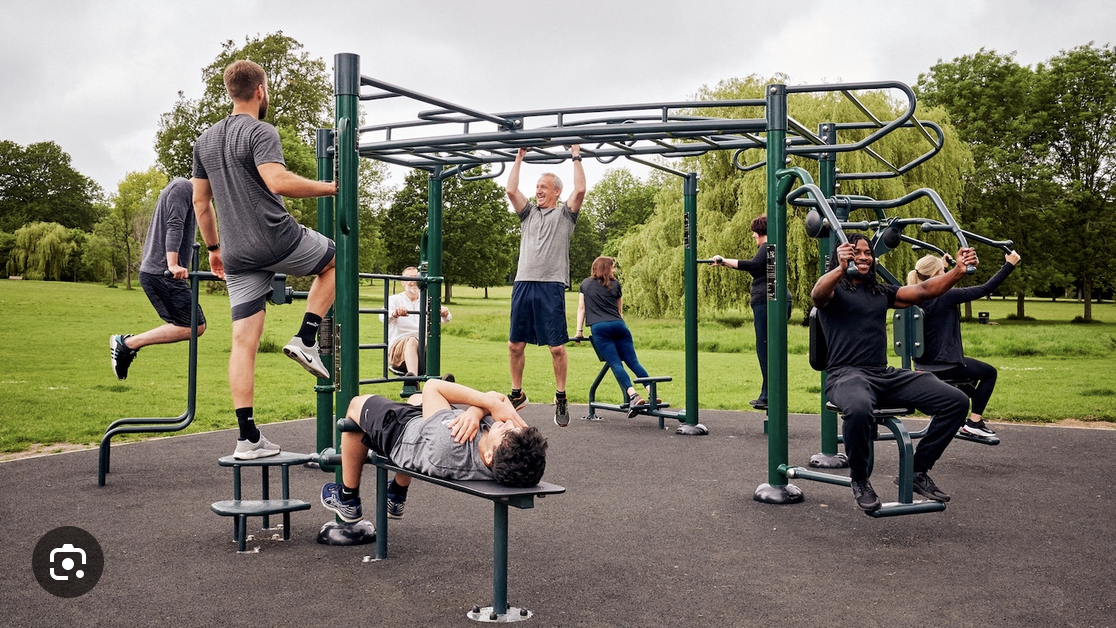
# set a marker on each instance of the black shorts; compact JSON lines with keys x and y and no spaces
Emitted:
{"x":383,"y":422}
{"x":171,"y":299}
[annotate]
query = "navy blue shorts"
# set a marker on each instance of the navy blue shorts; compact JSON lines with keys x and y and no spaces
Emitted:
{"x":538,"y":313}
{"x":171,"y":298}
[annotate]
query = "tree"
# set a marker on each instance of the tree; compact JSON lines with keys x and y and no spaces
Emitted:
{"x":479,"y":238}
{"x":39,"y":184}
{"x":1010,"y":193}
{"x":300,"y":93}
{"x":41,"y":251}
{"x":479,"y":232}
{"x":619,"y":202}
{"x":651,"y":255}
{"x":102,"y":253}
{"x":133,"y":205}
{"x":1078,"y":93}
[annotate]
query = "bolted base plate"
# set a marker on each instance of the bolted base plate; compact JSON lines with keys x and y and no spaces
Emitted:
{"x":359,"y":533}
{"x":786,"y":494}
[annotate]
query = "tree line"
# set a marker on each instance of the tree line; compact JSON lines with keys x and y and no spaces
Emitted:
{"x":1029,"y":156}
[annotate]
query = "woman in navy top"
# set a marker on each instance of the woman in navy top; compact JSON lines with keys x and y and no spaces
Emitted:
{"x":600,"y":303}
{"x":943,"y":353}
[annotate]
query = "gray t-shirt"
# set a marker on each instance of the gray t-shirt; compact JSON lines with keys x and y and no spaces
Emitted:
{"x":255,"y":228}
{"x":427,"y":446}
{"x":173,"y":228}
{"x":544,"y":243}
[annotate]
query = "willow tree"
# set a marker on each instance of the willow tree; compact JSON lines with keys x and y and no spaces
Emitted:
{"x":728,"y":200}
{"x":41,"y":251}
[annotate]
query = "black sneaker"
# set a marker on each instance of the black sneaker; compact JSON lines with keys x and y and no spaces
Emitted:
{"x":635,"y":404}
{"x":865,"y":496}
{"x":924,"y":486}
{"x":121,"y":355}
{"x":395,"y":506}
{"x":518,"y":402}
{"x":448,"y":377}
{"x":561,"y":411}
{"x":977,"y":429}
{"x":758,"y":404}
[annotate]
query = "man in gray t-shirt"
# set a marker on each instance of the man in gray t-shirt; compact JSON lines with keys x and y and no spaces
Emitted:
{"x":169,"y":247}
{"x":238,"y":164}
{"x":487,"y":440}
{"x":538,"y":309}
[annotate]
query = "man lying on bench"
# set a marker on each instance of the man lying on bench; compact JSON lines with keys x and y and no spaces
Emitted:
{"x":486,"y":441}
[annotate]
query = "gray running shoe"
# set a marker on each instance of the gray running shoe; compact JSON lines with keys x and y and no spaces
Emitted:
{"x":307,"y":357}
{"x":247,"y":450}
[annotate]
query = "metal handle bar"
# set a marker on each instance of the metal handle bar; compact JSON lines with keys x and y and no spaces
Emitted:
{"x":829,"y":218}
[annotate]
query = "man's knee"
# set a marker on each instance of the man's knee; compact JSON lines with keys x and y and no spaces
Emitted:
{"x":201,"y":330}
{"x":558,"y":352}
{"x":355,"y":406}
{"x":410,"y":343}
{"x":516,"y":348}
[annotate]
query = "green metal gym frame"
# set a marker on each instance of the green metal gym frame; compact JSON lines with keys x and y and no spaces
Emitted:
{"x":449,"y":140}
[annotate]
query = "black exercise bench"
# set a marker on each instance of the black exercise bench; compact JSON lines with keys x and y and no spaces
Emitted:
{"x":501,"y":497}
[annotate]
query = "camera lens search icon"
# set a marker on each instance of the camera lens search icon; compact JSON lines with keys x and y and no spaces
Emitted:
{"x":68,"y":562}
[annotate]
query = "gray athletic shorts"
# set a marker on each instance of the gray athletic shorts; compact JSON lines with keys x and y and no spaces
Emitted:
{"x":249,"y":290}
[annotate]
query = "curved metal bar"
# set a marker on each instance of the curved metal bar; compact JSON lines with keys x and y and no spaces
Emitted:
{"x":948,"y":223}
{"x":846,"y":88}
{"x":438,"y":102}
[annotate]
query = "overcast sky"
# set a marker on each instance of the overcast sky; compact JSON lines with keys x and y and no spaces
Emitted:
{"x":95,"y":76}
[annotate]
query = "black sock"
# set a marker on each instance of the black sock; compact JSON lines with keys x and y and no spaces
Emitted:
{"x":397,"y":490}
{"x":516,"y":392}
{"x":561,"y":394}
{"x":247,"y":424}
{"x":349,"y":494}
{"x":309,"y":330}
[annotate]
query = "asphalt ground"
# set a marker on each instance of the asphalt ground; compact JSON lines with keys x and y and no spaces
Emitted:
{"x":655,"y":529}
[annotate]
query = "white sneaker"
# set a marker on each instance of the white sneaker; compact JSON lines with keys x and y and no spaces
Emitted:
{"x":247,"y":450}
{"x":306,"y":356}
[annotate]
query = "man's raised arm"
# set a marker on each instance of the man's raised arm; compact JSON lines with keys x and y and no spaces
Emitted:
{"x":937,"y":286}
{"x":577,"y":196}
{"x":827,"y":283}
{"x":518,"y":201}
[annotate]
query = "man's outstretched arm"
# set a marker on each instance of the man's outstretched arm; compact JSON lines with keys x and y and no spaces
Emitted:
{"x":937,"y":286}
{"x":518,"y":201}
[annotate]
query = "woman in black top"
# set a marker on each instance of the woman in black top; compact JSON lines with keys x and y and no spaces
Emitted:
{"x":943,"y":353}
{"x":601,"y":304}
{"x":758,"y":267}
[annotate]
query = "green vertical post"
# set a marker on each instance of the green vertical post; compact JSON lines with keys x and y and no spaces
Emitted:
{"x":347,"y":92}
{"x":689,"y":197}
{"x":777,"y":490}
{"x":433,"y":241}
{"x":324,"y":389}
{"x":829,"y":457}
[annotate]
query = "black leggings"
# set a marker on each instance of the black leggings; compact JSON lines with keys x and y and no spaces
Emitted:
{"x":983,"y":374}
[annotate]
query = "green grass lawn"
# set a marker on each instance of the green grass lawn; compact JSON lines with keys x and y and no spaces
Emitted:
{"x":59,"y":388}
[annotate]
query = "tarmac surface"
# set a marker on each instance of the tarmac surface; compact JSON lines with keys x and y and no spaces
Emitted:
{"x":655,"y":529}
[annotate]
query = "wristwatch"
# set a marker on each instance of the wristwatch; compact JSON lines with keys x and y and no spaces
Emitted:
{"x":578,"y":158}
{"x":213,"y":247}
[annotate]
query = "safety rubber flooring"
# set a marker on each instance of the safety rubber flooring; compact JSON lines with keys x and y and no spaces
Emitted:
{"x":655,"y":529}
